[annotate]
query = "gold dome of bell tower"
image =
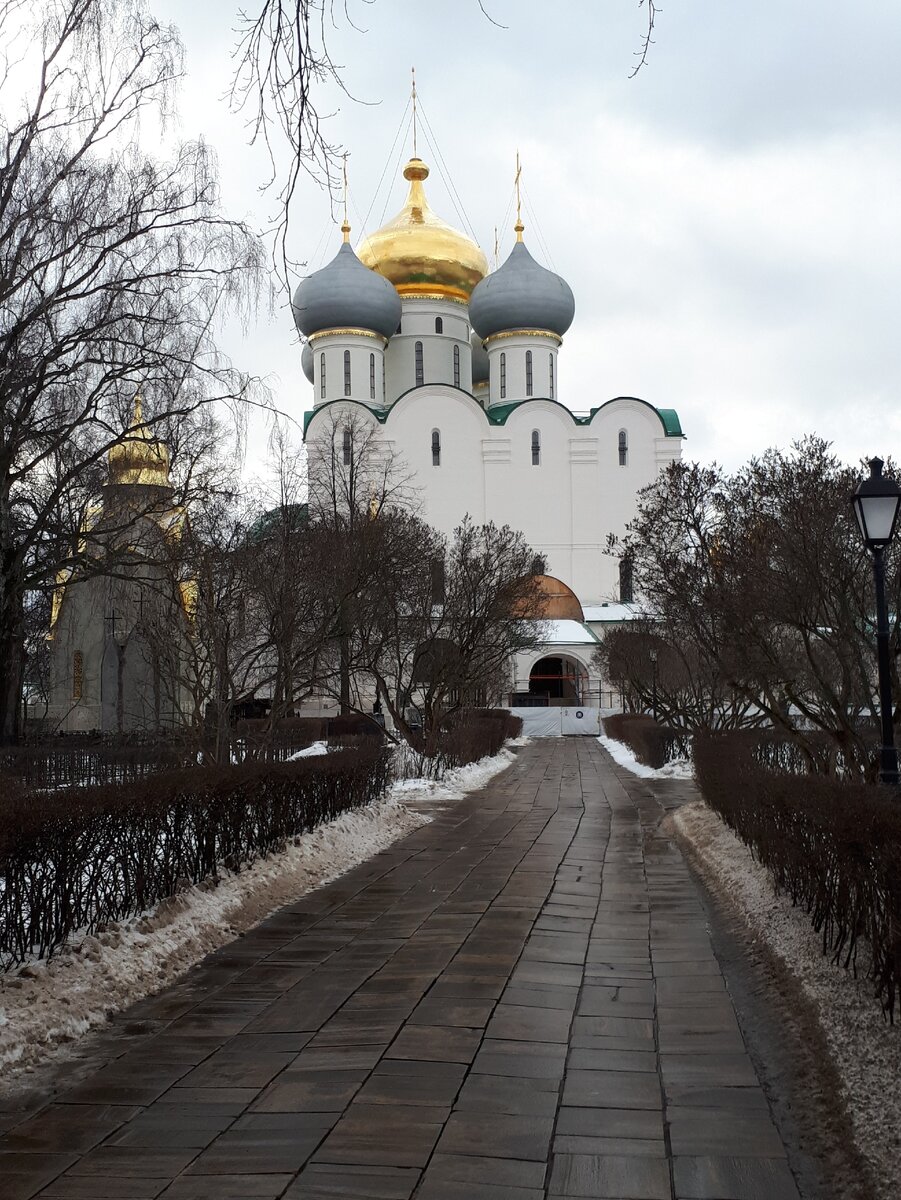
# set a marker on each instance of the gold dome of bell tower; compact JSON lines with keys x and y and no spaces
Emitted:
{"x":139,"y":458}
{"x":421,"y":254}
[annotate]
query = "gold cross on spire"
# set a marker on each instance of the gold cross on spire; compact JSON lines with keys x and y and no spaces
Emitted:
{"x":413,"y":95}
{"x":519,"y":227}
{"x":345,"y":227}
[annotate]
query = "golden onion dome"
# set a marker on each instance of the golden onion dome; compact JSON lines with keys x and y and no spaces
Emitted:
{"x":421,"y":254}
{"x":138,"y":458}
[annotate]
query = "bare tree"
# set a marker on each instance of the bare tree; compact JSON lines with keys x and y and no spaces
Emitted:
{"x":114,"y":267}
{"x":353,"y":473}
{"x":687,"y":687}
{"x":760,"y":580}
{"x":439,"y":622}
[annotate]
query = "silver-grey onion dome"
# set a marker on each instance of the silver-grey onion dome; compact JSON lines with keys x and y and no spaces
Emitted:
{"x":480,"y":364}
{"x":521,"y":294}
{"x":346,"y":295}
{"x":306,"y":361}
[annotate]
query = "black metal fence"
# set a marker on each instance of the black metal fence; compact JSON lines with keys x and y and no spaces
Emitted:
{"x":89,"y":760}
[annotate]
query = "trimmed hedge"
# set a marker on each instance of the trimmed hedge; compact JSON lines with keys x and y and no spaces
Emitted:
{"x":833,"y":847}
{"x":80,"y":858}
{"x":473,"y":733}
{"x":652,"y":744}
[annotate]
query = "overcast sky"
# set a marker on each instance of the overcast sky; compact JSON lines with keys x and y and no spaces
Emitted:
{"x":728,"y":220}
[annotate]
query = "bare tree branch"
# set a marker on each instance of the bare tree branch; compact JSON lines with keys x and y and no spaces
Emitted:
{"x":651,"y":10}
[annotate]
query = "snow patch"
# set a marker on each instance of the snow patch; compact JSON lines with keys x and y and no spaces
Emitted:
{"x":50,"y":1002}
{"x":311,"y":751}
{"x":680,"y":768}
{"x":865,"y":1048}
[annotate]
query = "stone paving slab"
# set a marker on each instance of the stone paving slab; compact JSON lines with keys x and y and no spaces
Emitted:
{"x":518,"y":1001}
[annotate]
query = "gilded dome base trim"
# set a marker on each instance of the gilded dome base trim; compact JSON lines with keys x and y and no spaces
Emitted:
{"x":366,"y":333}
{"x":410,"y":291}
{"x":534,"y":333}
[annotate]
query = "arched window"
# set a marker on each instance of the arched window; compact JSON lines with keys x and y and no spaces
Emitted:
{"x":372,"y":377}
{"x":456,"y":366}
{"x":503,"y":376}
{"x":436,"y":448}
{"x":536,"y":448}
{"x":529,"y":373}
{"x":77,"y":674}
{"x":348,"y":448}
{"x":322,"y":376}
{"x":550,"y":376}
{"x":399,"y":323}
{"x":625,"y":580}
{"x":439,"y":325}
{"x":623,"y":448}
{"x":420,"y":374}
{"x":346,"y":372}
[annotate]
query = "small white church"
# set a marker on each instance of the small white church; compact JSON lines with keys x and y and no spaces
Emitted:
{"x":456,"y":369}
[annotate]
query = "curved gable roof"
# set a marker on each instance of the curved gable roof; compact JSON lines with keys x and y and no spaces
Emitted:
{"x":498,"y":413}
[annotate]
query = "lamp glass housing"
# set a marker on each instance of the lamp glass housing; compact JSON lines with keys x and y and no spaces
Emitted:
{"x":876,"y":503}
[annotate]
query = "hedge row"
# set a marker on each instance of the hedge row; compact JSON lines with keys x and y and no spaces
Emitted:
{"x":79,"y":858}
{"x":833,"y":847}
{"x":652,"y":744}
{"x":474,"y":733}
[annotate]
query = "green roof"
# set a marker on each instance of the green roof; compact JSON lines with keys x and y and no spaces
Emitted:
{"x":288,"y":517}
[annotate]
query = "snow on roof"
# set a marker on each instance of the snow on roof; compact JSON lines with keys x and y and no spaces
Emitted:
{"x":567,"y":633}
{"x":611,"y":612}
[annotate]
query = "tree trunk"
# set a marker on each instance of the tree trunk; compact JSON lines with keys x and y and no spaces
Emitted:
{"x":120,"y":689}
{"x":12,"y":661}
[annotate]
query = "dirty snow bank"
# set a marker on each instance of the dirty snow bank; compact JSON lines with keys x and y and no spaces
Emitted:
{"x":866,"y":1050}
{"x":50,"y":1003}
{"x":681,"y":768}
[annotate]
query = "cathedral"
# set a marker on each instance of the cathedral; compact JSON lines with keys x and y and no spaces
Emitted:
{"x":455,"y":370}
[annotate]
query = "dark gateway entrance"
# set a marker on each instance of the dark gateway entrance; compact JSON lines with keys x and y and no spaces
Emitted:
{"x":558,"y":681}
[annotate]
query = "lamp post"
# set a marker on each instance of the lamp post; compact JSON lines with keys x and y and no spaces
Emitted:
{"x":876,"y":502}
{"x":653,"y":654}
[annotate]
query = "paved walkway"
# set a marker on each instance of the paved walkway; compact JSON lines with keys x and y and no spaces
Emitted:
{"x":520,"y":1000}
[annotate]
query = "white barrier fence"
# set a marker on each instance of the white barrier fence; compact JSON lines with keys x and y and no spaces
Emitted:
{"x":560,"y":722}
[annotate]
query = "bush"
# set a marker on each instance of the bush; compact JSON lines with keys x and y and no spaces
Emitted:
{"x":812,"y":751}
{"x":652,"y":744}
{"x":353,"y":725}
{"x":470,"y":734}
{"x":80,"y":858}
{"x":834,"y":847}
{"x":299,"y":731}
{"x":466,"y":735}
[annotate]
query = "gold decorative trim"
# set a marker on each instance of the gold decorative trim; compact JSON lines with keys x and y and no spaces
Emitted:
{"x":367,"y":333}
{"x":427,"y":291}
{"x":536,"y":333}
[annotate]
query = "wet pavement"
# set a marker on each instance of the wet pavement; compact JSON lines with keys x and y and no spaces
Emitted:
{"x":519,"y":1000}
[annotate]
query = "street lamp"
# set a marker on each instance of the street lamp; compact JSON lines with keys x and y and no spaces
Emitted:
{"x":876,"y":502}
{"x":653,"y":654}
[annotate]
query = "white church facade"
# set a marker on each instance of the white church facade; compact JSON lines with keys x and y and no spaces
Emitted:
{"x":456,"y":371}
